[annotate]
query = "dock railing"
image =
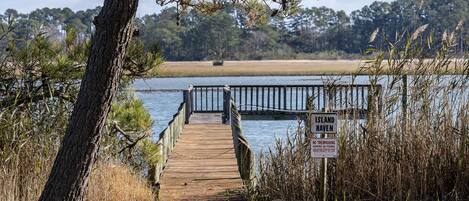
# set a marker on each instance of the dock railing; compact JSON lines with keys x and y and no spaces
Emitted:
{"x":283,"y":99}
{"x":166,"y":143}
{"x":234,"y":100}
{"x":244,"y":154}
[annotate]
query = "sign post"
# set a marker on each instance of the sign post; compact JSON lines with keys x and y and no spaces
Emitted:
{"x":324,"y":147}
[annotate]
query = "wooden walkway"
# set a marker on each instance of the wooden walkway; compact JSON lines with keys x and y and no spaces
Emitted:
{"x":203,"y":165}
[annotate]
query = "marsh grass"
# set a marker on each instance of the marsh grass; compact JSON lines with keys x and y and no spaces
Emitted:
{"x":115,"y":182}
{"x":416,"y":148}
{"x":274,"y":68}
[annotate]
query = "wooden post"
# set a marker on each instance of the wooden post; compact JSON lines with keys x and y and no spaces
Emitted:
{"x":187,"y":95}
{"x":226,"y":105}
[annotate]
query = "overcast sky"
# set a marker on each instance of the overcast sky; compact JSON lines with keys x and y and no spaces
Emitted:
{"x":149,"y":6}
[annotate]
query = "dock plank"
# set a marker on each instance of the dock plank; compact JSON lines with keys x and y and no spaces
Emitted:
{"x":203,"y":165}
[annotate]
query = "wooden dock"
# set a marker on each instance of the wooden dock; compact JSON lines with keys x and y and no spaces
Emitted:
{"x":204,"y":158}
{"x":203,"y":164}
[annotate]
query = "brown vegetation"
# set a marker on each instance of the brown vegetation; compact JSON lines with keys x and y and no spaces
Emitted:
{"x":258,"y":68}
{"x":417,"y":148}
{"x":108,"y":182}
{"x":278,"y":68}
{"x":114,"y":182}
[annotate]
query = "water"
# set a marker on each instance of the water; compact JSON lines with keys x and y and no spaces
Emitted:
{"x":260,"y":134}
{"x":185,"y":82}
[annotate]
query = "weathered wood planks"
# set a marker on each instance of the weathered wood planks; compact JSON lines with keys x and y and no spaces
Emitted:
{"x":203,"y":164}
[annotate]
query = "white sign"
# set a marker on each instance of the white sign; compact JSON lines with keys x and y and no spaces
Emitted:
{"x":323,"y":123}
{"x":324,"y":148}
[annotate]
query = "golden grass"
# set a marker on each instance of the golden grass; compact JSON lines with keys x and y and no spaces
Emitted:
{"x":108,"y":182}
{"x":286,"y":68}
{"x":112,"y":182}
{"x":258,"y":68}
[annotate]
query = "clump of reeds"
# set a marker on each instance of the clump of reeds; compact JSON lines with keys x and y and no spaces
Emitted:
{"x":287,"y":172}
{"x":416,"y":148}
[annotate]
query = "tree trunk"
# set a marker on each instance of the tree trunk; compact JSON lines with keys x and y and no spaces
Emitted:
{"x":69,"y":175}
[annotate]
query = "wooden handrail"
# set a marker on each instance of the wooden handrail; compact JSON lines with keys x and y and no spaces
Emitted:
{"x":244,"y":154}
{"x":167,"y":141}
{"x":266,"y":99}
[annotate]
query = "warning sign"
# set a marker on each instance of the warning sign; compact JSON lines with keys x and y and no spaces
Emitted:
{"x":324,"y":148}
{"x":323,"y":123}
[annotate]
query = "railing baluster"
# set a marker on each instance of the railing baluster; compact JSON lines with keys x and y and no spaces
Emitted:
{"x":245,"y":98}
{"x":240,"y":98}
{"x":252,"y":95}
{"x":268,"y":97}
{"x":257,"y":98}
{"x":363,"y":98}
{"x":233,"y":90}
{"x":198,"y":100}
{"x":279,"y":98}
{"x":296,"y":98}
{"x":356,"y":94}
{"x":284,"y":98}
{"x":201,"y":99}
{"x":194,"y":99}
{"x":212,"y":98}
{"x":279,"y":106}
{"x":319,"y":98}
{"x":332,"y":96}
{"x":206,"y":98}
{"x":218,"y":98}
{"x":341,"y":106}
{"x":303,"y":101}
{"x":324,"y":97}
{"x":263,"y":99}
{"x":346,"y":97}
{"x":273,"y":99}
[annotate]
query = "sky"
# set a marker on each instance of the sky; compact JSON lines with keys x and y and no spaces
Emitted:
{"x":149,"y":6}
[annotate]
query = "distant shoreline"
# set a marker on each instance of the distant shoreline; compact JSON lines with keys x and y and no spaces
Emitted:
{"x":252,"y":68}
{"x":258,"y":68}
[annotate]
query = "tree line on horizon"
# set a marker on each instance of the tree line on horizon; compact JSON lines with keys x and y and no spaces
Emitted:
{"x":310,"y":33}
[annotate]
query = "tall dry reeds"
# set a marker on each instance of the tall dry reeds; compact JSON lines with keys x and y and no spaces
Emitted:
{"x":115,"y":182}
{"x":416,"y":148}
{"x":108,"y":182}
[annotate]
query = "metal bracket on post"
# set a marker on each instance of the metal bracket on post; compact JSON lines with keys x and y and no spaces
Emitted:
{"x":226,"y":105}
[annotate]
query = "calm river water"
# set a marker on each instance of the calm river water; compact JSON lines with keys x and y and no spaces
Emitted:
{"x":260,"y":134}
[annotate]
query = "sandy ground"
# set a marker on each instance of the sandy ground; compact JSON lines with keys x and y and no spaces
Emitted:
{"x":266,"y":67}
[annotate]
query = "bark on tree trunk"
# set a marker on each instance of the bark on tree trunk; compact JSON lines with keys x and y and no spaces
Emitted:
{"x":69,"y":175}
